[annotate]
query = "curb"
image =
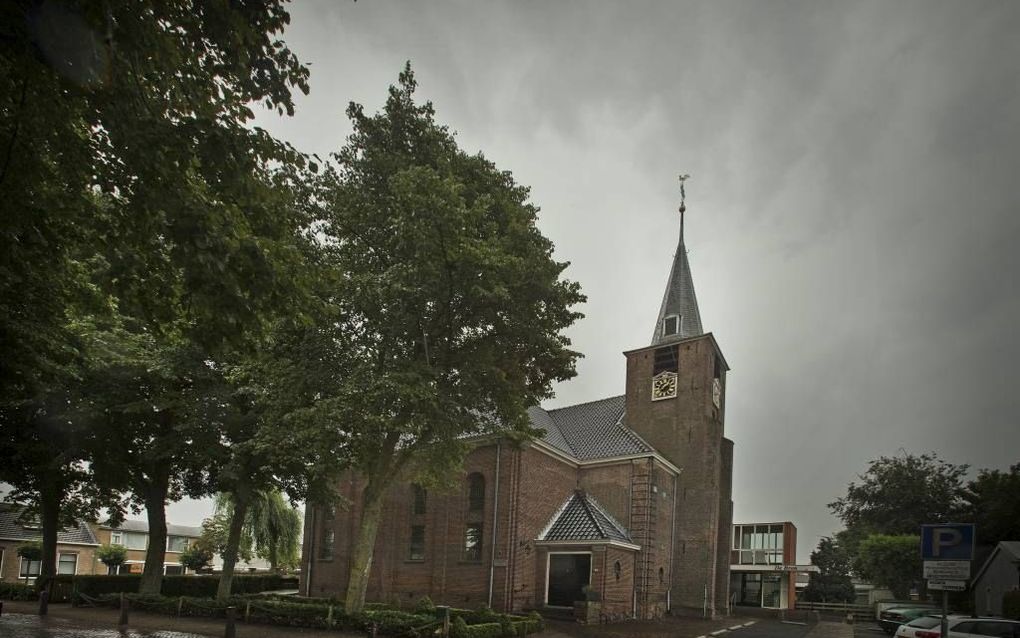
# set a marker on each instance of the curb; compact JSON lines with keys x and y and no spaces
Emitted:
{"x":725,"y":630}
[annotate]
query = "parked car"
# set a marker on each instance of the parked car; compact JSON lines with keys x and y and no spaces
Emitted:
{"x":891,"y":619}
{"x":960,"y":627}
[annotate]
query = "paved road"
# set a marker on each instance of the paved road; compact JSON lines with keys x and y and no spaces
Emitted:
{"x":769,"y":629}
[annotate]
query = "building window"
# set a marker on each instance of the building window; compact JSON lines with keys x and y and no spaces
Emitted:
{"x":67,"y":564}
{"x":418,"y":499}
{"x":666,"y":360}
{"x":662,"y":575}
{"x":758,"y":544}
{"x":326,"y":546}
{"x":473,"y":542}
{"x":130,"y":540}
{"x":176,"y":543}
{"x":476,"y":492}
{"x":116,"y":538}
{"x":173,"y":570}
{"x":617,"y":569}
{"x":671,"y":325}
{"x":417,"y":549}
{"x":30,"y":568}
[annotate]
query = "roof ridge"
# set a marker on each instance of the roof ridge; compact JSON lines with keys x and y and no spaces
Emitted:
{"x":577,"y":405}
{"x":598,"y":506}
{"x":586,"y":504}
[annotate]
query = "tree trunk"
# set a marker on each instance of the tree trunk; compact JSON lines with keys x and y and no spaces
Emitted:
{"x":364,"y":546}
{"x":241,"y":499}
{"x":155,"y":555}
{"x":49,"y":505}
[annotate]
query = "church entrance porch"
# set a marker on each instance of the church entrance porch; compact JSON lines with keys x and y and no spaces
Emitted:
{"x":568,"y":574}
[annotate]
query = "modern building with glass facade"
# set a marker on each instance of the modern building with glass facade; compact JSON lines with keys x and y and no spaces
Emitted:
{"x":763,"y":565}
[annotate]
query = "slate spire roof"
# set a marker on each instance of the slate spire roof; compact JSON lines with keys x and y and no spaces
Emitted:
{"x":583,"y":519}
{"x":679,"y":300}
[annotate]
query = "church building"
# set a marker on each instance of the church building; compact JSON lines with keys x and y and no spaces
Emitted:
{"x":625,"y":500}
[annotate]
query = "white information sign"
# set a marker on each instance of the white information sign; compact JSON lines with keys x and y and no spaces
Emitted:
{"x":947,"y":585}
{"x":947,"y":570}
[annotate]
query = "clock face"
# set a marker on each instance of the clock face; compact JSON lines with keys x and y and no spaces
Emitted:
{"x":664,"y":386}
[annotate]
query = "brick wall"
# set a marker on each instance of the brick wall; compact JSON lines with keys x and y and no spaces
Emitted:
{"x":10,"y":570}
{"x":688,"y":431}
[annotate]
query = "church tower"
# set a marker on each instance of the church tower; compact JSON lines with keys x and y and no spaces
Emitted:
{"x":676,"y":391}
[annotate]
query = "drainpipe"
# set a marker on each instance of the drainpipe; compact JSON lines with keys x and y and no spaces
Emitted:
{"x":311,"y":554}
{"x":495,"y":513}
{"x":672,"y":547}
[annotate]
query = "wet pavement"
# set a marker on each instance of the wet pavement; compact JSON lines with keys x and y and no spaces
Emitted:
{"x":29,"y":626}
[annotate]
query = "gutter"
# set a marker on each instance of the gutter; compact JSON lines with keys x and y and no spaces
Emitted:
{"x":311,"y":553}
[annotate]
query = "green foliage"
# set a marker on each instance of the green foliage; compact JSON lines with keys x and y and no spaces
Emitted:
{"x":112,"y":555}
{"x":189,"y":585}
{"x":459,"y":628}
{"x":272,"y":527}
{"x":992,"y":504}
{"x":1011,"y":604}
{"x":832,"y":583}
{"x":425,"y":606}
{"x":17,"y":591}
{"x":899,"y":494}
{"x":30,"y":550}
{"x":890,"y":561}
{"x":442,"y":307}
{"x":196,"y":557}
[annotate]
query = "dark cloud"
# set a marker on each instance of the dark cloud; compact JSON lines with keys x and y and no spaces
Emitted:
{"x":853,"y":212}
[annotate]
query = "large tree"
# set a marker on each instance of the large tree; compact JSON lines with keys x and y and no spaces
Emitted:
{"x":898,"y":494}
{"x":445,"y":312}
{"x":832,"y":582}
{"x":993,"y":505}
{"x":130,"y":174}
{"x":892,"y":561}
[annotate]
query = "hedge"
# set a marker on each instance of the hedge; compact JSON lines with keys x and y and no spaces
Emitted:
{"x":1011,"y":605}
{"x":299,"y":612}
{"x":17,"y":591}
{"x":200,"y":586}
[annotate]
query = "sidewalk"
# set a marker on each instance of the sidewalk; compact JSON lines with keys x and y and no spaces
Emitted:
{"x":62,"y":615}
{"x":826,"y":629}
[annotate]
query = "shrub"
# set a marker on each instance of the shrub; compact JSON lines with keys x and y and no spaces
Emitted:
{"x":485,"y":630}
{"x":17,"y":591}
{"x":193,"y":586}
{"x":425,"y":607}
{"x":31,"y":550}
{"x":458,"y":628}
{"x":196,"y":557}
{"x":112,"y":555}
{"x":1011,"y":605}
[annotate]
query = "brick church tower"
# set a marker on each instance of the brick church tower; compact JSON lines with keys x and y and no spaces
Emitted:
{"x":676,"y":391}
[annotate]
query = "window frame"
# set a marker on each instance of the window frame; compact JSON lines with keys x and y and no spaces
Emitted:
{"x":665,"y":323}
{"x":411,"y":545}
{"x":476,"y":493}
{"x":473,"y":554}
{"x":60,"y":557}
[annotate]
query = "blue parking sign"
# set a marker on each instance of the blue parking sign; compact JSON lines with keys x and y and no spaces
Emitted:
{"x":947,"y":541}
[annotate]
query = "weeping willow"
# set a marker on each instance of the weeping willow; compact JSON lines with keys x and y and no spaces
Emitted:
{"x":272,"y":528}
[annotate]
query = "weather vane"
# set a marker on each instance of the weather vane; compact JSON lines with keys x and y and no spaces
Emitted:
{"x":683,"y":196}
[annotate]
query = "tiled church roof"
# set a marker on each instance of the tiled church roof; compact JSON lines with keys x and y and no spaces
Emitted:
{"x":589,"y":431}
{"x":679,"y":299}
{"x":582,"y":519}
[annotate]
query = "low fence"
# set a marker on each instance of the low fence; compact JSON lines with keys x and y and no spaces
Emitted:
{"x":837,"y":609}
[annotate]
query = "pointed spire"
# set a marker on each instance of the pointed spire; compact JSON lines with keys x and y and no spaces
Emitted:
{"x":678,"y":316}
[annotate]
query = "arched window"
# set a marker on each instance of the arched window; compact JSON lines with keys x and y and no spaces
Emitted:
{"x":476,"y":492}
{"x":617,"y":569}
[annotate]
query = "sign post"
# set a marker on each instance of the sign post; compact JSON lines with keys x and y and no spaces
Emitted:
{"x":947,"y":549}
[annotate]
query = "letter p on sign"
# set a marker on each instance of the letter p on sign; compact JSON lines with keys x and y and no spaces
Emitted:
{"x":949,"y":541}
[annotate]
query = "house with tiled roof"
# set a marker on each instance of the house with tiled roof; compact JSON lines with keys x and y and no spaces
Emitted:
{"x":76,"y":547}
{"x":624,"y":500}
{"x":133,"y":535}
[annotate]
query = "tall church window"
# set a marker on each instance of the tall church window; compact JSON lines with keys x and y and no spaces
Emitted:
{"x":473,"y":542}
{"x":417,"y":546}
{"x":326,"y":545}
{"x":418,"y":499}
{"x":666,"y":360}
{"x":476,"y":492}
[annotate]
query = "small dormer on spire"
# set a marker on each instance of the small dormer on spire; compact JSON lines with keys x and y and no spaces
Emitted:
{"x":678,"y":316}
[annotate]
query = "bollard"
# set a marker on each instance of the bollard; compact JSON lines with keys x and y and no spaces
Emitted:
{"x":247,"y":611}
{"x":124,"y":602}
{"x":231,"y":629}
{"x":373,"y":630}
{"x":444,"y":611}
{"x":180,"y":606}
{"x":1,"y":608}
{"x":44,"y":602}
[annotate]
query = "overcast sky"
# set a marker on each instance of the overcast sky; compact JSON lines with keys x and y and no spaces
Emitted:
{"x":852,"y":217}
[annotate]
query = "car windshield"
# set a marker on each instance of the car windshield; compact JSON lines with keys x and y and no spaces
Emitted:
{"x":925,"y":622}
